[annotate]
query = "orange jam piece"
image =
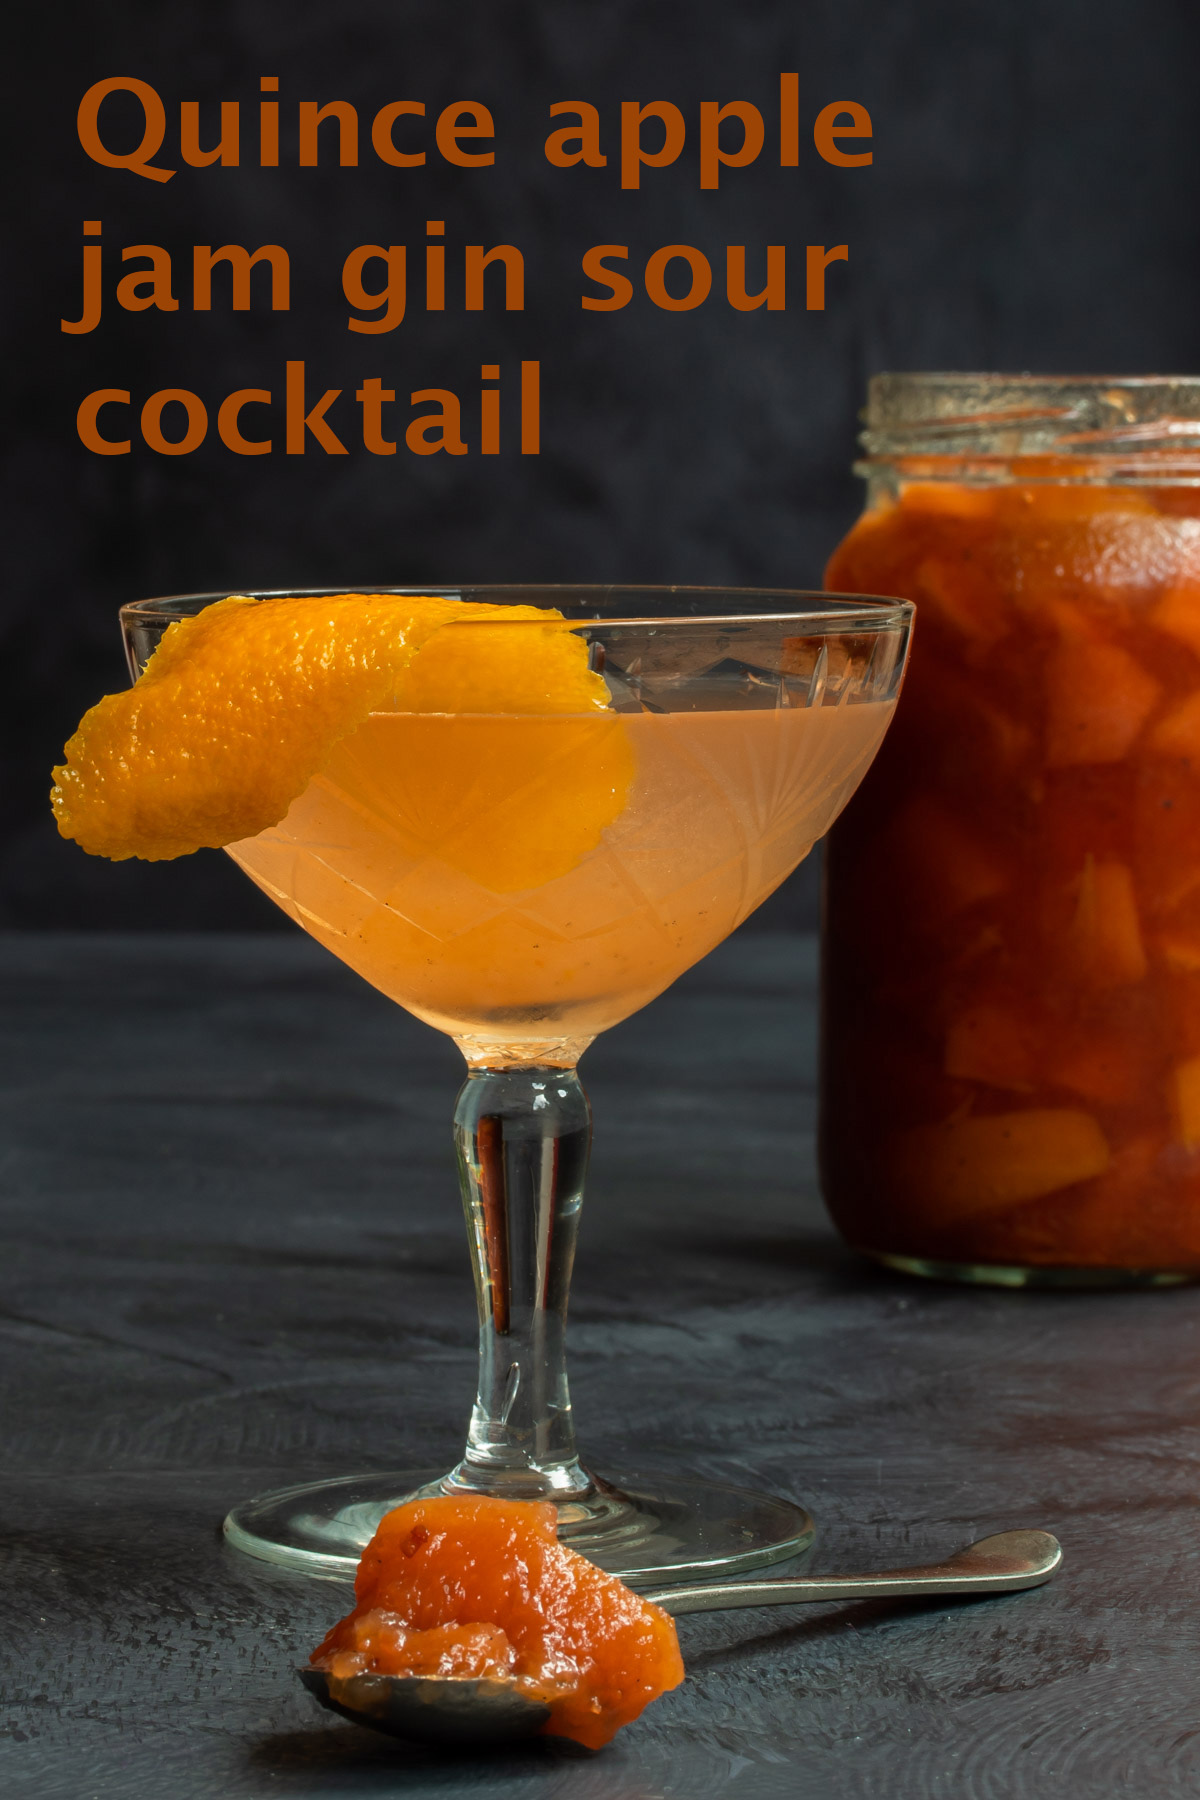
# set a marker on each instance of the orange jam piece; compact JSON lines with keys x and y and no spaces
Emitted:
{"x":242,"y":704}
{"x":476,"y":1588}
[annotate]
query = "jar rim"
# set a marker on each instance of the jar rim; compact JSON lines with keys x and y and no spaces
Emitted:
{"x":999,"y":416}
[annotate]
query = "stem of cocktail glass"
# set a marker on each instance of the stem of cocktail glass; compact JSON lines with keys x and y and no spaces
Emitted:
{"x":522,"y":1135}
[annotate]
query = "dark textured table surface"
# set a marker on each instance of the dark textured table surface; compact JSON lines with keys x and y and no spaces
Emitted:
{"x":232,"y":1256}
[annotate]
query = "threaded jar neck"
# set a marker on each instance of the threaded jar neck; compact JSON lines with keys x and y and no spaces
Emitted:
{"x":1121,"y":430}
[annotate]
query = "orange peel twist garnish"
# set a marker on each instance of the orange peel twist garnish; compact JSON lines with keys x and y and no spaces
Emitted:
{"x":241,"y":705}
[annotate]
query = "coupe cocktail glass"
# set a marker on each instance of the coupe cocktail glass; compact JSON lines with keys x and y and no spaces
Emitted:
{"x":453,"y":859}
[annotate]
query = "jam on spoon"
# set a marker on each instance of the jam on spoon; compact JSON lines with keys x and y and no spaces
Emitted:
{"x":478,"y":1591}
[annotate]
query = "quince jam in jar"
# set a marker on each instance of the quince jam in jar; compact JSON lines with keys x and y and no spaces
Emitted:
{"x":1011,"y":1056}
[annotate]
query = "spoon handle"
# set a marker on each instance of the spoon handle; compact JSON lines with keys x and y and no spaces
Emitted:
{"x":996,"y":1565}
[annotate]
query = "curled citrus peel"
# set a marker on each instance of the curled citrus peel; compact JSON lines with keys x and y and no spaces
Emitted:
{"x":241,"y":705}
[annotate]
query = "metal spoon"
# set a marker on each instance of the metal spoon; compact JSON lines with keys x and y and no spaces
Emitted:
{"x":441,"y":1711}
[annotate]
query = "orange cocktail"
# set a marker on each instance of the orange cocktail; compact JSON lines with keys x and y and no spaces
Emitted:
{"x":448,"y":858}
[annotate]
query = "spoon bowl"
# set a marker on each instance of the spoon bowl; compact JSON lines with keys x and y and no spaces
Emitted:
{"x":429,"y":1709}
{"x":435,"y":1710}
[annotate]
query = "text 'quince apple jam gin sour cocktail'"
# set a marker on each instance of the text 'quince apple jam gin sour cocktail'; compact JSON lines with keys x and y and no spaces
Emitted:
{"x":521,"y":813}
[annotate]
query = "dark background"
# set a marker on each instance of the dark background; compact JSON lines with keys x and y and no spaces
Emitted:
{"x":1032,"y":204}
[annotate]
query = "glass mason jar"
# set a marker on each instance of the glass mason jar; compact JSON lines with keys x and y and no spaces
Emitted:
{"x":1011,"y":1040}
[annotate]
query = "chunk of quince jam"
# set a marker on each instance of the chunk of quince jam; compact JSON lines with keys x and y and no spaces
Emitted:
{"x":481,"y":1589}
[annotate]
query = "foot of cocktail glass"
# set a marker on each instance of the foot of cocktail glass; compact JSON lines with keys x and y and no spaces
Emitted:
{"x":523,"y":1131}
